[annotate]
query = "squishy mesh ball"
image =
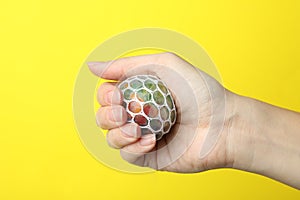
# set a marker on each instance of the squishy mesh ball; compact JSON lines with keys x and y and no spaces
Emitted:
{"x":148,"y":103}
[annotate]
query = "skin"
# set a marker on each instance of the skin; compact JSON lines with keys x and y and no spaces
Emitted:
{"x":215,"y":128}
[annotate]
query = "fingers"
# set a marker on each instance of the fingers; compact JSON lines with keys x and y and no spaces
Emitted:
{"x":128,"y":139}
{"x":109,"y":94}
{"x":123,"y":136}
{"x":110,"y":117}
{"x":133,"y":152}
{"x":116,"y":69}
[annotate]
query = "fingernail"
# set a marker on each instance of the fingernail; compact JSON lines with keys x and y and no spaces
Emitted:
{"x":96,"y":67}
{"x":130,"y":130}
{"x":113,"y":97}
{"x":94,"y":63}
{"x":116,"y":114}
{"x":147,"y":139}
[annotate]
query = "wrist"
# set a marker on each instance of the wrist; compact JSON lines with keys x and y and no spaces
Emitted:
{"x":231,"y":150}
{"x":242,"y":132}
{"x":264,"y":139}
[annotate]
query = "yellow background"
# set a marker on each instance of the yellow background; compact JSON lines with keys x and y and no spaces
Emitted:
{"x":255,"y":45}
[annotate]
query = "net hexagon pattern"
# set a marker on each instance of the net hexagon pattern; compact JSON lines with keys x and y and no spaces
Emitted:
{"x":148,"y":103}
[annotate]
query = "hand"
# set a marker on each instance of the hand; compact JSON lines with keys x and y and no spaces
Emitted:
{"x":199,"y":139}
{"x":215,"y":128}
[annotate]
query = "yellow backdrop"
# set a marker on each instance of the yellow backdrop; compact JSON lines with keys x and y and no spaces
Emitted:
{"x":255,"y":45}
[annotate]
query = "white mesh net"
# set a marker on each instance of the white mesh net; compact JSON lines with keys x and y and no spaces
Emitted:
{"x":148,"y":103}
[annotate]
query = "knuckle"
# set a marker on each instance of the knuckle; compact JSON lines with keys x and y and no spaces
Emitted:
{"x":111,"y":116}
{"x":102,"y":86}
{"x":128,"y":156}
{"x":123,"y":154}
{"x":101,"y":118}
{"x":101,"y":91}
{"x":110,"y":140}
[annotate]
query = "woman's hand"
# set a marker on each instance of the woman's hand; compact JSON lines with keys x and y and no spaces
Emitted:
{"x":199,"y":139}
{"x":215,"y":128}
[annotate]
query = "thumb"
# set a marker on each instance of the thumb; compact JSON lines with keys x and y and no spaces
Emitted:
{"x":116,"y":69}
